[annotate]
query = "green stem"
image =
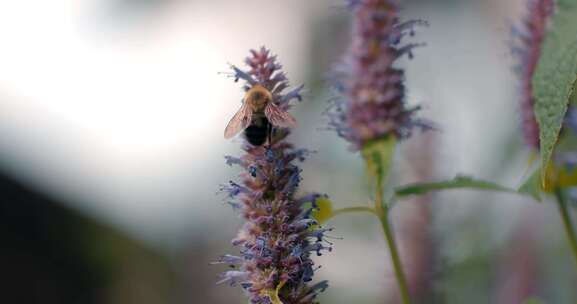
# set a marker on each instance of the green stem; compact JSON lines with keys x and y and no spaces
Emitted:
{"x":567,"y":223}
{"x":382,"y":212}
{"x":352,"y":210}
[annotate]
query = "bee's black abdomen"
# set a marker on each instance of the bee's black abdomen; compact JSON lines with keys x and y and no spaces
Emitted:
{"x":256,"y":135}
{"x":257,"y":132}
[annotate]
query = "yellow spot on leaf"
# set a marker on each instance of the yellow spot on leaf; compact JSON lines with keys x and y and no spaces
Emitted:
{"x":324,"y":211}
{"x":559,"y":177}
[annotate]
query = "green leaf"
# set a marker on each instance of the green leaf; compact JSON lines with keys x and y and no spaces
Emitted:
{"x":379,"y":156}
{"x":554,"y":80}
{"x":532,"y":186}
{"x":565,"y":4}
{"x":459,"y":182}
{"x":534,"y":301}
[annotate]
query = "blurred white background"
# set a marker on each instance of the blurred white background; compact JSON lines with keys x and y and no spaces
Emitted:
{"x":117,"y":107}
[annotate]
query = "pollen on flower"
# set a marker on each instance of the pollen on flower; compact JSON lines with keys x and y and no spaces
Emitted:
{"x":279,"y":235}
{"x":529,"y":37}
{"x":372,"y":104}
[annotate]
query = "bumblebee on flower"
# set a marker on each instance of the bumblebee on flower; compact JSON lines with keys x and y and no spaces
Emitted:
{"x":279,"y":234}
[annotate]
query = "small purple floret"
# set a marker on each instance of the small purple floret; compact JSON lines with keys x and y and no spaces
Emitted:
{"x":373,"y":94}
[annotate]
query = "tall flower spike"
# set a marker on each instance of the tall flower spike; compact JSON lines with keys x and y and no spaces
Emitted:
{"x":373,"y":104}
{"x":279,"y":235}
{"x":528,"y":42}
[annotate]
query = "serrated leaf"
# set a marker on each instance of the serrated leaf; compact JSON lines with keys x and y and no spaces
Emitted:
{"x":378,"y":156}
{"x":459,"y":182}
{"x":554,"y":80}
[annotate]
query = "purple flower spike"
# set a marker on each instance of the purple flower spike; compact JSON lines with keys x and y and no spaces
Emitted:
{"x":529,"y":39}
{"x":279,"y":236}
{"x":373,"y":105}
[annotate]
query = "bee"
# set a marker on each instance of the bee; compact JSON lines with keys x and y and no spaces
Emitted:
{"x":257,"y":116}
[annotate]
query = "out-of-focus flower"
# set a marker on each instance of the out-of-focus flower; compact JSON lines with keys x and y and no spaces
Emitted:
{"x":279,"y":235}
{"x":373,"y":104}
{"x":529,"y":40}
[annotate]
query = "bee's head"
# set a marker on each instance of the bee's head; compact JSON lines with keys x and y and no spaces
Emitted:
{"x":258,"y":97}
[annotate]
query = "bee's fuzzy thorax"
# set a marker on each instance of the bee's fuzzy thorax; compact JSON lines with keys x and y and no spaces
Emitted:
{"x":372,"y":103}
{"x":264,"y":87}
{"x":529,"y":38}
{"x":258,"y":97}
{"x":279,"y":235}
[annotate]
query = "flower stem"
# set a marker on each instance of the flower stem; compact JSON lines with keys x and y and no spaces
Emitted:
{"x":382,"y":212}
{"x":399,"y":274}
{"x":352,"y":210}
{"x":567,"y":223}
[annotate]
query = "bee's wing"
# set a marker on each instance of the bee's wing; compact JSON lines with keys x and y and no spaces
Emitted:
{"x":240,"y":121}
{"x":277,"y":117}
